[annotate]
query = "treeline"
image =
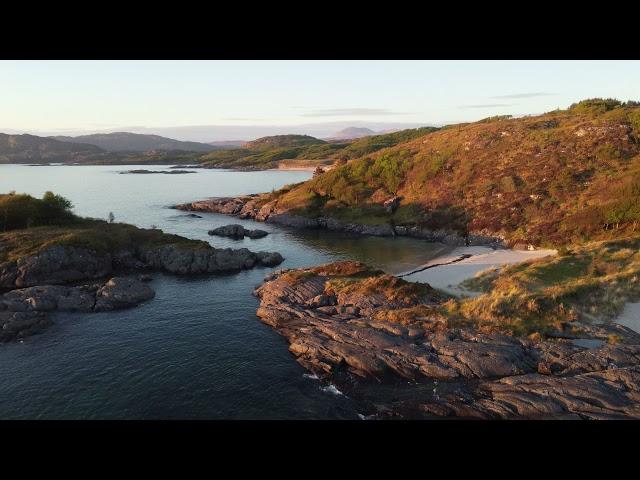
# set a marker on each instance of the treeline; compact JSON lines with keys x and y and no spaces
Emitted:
{"x":24,"y":211}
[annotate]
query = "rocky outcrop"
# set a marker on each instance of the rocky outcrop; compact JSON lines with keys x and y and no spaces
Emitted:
{"x":54,"y":265}
{"x":122,"y":293}
{"x":212,"y":260}
{"x":25,"y":311}
{"x":254,"y":207}
{"x":64,"y":264}
{"x":237,"y":232}
{"x":116,"y":293}
{"x":17,"y":325}
{"x":342,"y":337}
{"x":37,"y":284}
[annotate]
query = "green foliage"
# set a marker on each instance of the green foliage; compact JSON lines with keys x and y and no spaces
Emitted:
{"x":367,"y":145}
{"x":24,"y":211}
{"x":279,"y":141}
{"x":594,"y":280}
{"x":495,"y":118}
{"x":596,"y":105}
{"x":607,"y":151}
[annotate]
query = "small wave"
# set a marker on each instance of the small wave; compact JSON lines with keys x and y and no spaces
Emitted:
{"x":367,"y":417}
{"x":312,"y":376}
{"x":332,"y":389}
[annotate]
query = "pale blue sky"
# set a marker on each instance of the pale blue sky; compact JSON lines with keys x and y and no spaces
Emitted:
{"x":96,"y":95}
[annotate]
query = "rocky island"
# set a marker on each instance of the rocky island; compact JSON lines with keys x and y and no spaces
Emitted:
{"x":238,"y":232}
{"x":165,"y":172}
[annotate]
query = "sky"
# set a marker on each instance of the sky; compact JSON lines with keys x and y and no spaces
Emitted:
{"x":189,"y":98}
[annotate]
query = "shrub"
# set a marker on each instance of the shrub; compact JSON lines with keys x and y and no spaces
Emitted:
{"x":23,"y":211}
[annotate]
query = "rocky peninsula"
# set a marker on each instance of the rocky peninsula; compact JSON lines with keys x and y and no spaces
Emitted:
{"x":45,"y":280}
{"x":405,"y":350}
{"x":51,"y":260}
{"x":262,"y":208}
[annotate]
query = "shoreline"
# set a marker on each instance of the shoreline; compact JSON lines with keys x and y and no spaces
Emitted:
{"x":446,"y":272}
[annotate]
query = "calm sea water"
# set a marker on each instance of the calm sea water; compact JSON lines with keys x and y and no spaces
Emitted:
{"x":196,"y":351}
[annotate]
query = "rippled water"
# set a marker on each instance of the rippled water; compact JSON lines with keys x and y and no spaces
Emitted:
{"x":197,"y":350}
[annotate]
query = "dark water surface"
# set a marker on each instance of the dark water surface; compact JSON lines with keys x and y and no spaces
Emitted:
{"x":196,"y":351}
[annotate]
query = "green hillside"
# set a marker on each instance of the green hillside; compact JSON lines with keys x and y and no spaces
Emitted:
{"x":565,"y":176}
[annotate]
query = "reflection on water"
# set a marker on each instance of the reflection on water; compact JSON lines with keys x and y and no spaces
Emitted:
{"x":393,"y":255}
{"x":197,"y":350}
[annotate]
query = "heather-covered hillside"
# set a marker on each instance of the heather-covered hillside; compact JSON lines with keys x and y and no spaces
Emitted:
{"x":568,"y":175}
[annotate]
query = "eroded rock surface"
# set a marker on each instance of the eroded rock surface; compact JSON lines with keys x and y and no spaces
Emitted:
{"x":24,"y":311}
{"x":341,"y":334}
{"x":64,"y":264}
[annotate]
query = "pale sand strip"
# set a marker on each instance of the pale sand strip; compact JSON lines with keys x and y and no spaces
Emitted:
{"x":448,"y":277}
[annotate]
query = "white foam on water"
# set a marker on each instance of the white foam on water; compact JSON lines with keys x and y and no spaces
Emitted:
{"x":312,"y":376}
{"x":332,"y":389}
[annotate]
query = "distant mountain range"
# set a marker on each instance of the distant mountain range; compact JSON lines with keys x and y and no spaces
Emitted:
{"x":136,"y":142}
{"x":226,"y":133}
{"x":30,"y":148}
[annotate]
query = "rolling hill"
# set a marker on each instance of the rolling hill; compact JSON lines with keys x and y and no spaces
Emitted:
{"x":30,"y":148}
{"x":136,"y":142}
{"x":568,"y":175}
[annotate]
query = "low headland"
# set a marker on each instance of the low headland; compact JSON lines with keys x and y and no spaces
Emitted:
{"x":51,"y":260}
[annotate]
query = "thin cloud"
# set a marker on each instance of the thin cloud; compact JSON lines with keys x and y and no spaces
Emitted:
{"x":525,"y":95}
{"x":240,"y":119}
{"x":349,"y":112}
{"x":488,"y":105}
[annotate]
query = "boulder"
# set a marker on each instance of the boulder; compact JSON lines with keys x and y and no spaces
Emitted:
{"x":269,"y":259}
{"x":232,"y":231}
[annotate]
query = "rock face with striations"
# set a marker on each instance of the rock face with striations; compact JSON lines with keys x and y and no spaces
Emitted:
{"x":340,"y":334}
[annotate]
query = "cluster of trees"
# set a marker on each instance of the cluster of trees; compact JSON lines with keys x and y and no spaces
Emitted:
{"x":601,"y":105}
{"x":24,"y":211}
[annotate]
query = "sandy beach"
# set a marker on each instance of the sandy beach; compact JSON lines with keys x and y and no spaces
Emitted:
{"x":448,"y":277}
